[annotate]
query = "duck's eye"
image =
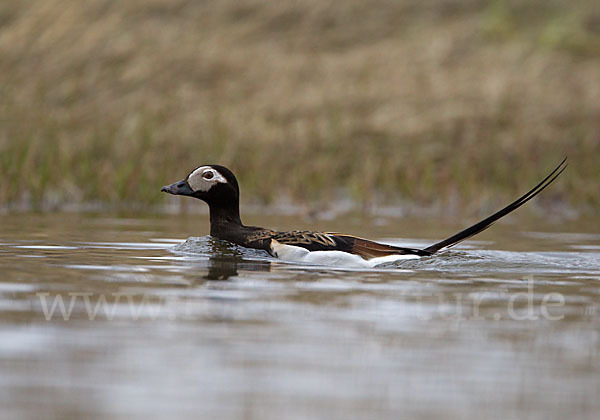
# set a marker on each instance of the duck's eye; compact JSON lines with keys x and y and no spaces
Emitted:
{"x":208,"y":175}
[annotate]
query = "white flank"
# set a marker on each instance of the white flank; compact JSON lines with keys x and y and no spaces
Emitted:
{"x":291,"y":253}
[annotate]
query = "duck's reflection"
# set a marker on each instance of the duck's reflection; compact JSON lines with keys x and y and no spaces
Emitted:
{"x":225,"y":260}
{"x":221,"y":268}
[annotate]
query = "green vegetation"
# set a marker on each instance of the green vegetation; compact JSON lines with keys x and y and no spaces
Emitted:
{"x":445,"y":101}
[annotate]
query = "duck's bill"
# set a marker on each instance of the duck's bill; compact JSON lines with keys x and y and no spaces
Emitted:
{"x":178,"y":188}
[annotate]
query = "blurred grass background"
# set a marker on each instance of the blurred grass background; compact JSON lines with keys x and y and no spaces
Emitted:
{"x":439,"y":102}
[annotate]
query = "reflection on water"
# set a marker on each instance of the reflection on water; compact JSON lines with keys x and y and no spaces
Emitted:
{"x":223,"y":258}
{"x":118,"y":317}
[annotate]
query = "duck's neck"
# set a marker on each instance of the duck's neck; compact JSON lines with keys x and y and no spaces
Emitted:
{"x":224,"y":220}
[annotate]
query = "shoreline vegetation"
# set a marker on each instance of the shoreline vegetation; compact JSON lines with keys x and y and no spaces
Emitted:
{"x":448,"y":104}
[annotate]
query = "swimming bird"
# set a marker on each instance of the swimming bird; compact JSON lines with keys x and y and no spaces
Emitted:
{"x":217,"y":186}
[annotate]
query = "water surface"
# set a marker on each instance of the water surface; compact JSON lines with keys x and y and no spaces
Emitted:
{"x":160,"y":320}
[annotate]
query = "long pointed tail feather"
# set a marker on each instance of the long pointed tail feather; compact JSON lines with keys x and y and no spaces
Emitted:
{"x":487,"y":222}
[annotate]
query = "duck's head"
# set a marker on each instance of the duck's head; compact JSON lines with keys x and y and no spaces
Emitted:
{"x":214,"y":184}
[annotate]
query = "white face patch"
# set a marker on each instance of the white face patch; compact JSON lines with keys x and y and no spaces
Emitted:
{"x":204,"y":178}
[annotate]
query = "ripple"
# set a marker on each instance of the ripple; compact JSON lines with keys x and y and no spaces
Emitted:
{"x":474,"y":261}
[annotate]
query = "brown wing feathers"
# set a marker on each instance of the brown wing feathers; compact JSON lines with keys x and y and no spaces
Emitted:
{"x":318,"y":241}
{"x":370,"y":249}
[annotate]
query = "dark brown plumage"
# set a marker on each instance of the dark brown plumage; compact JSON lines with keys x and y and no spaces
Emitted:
{"x":218,"y":187}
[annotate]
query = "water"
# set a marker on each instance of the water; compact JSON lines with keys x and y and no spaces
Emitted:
{"x":165,"y":322}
